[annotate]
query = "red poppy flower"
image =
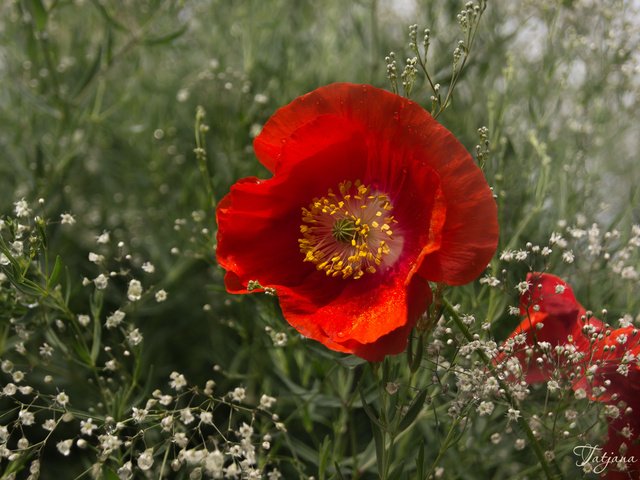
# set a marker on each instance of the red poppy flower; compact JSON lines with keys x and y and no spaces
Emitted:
{"x":604,"y":361}
{"x":370,"y":199}
{"x":552,"y":318}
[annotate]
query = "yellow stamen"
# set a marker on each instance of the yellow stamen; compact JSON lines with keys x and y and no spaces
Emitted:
{"x":346,"y":234}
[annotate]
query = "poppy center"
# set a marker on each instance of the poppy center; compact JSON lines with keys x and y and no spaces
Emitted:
{"x":348,"y":233}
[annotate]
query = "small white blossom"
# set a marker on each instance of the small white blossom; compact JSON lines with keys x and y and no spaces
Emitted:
{"x":103,"y":238}
{"x":206,"y":418}
{"x":87,"y":426}
{"x":115,"y":319}
{"x":26,"y":417}
{"x":21,"y":208}
{"x":178,"y":382}
{"x":523,"y":286}
{"x":101,"y":281}
{"x":148,"y":267}
{"x":67,"y":219}
{"x":134,"y":337}
{"x":145,"y":460}
{"x":84,"y":320}
{"x":62,"y":399}
{"x":139,"y":414}
{"x":513,"y":414}
{"x":266,"y":402}
{"x":134,"y":292}
{"x":161,"y":296}
{"x":568,"y":257}
{"x":186,"y":416}
{"x":96,"y":258}
{"x":238,"y":394}
{"x":49,"y":424}
{"x":64,"y":447}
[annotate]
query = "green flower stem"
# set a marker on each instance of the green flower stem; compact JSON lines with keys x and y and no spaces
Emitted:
{"x":551,"y":471}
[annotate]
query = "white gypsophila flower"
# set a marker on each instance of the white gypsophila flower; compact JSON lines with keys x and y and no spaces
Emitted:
{"x":214,"y":463}
{"x":523,"y":286}
{"x":559,"y":289}
{"x":161,"y":296}
{"x":166,"y":423}
{"x":134,"y":292}
{"x":46,"y":350}
{"x":148,"y":267}
{"x":67,"y":219}
{"x":115,"y":319}
{"x":139,"y":414}
{"x":87,"y":426}
{"x":101,"y":281}
{"x":266,"y":401}
{"x":49,"y":424}
{"x":513,"y":414}
{"x":26,"y":417}
{"x":568,"y":256}
{"x":21,"y":208}
{"x":84,"y":320}
{"x":96,"y":258}
{"x":238,"y":394}
{"x":180,"y":439}
{"x":245,"y":431}
{"x":109,"y":443}
{"x":125,"y":472}
{"x":9,"y":389}
{"x":178,"y":382}
{"x":134,"y":337}
{"x":103,"y":238}
{"x":206,"y":418}
{"x":62,"y":399}
{"x":186,"y":416}
{"x":64,"y":447}
{"x":485,"y":408}
{"x":17,"y":248}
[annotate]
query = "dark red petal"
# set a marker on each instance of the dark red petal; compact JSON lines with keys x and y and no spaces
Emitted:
{"x":631,"y":451}
{"x":560,"y":315}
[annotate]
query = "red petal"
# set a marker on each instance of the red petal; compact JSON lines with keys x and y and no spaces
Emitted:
{"x":559,"y":313}
{"x":470,"y":234}
{"x":369,"y":322}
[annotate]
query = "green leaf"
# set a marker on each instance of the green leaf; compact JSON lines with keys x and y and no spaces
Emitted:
{"x":166,"y":38}
{"x":39,"y":14}
{"x":412,"y":412}
{"x":375,"y":422}
{"x":55,"y":273}
{"x":91,"y":73}
{"x":378,"y":437}
{"x":351,"y":361}
{"x":323,"y":456}
{"x":338,"y":472}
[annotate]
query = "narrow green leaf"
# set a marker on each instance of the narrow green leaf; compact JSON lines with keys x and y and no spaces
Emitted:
{"x":55,"y":273}
{"x":338,"y":472}
{"x":166,"y":38}
{"x":96,"y":309}
{"x":420,"y":473}
{"x":412,"y":412}
{"x":39,"y":14}
{"x":91,"y":72}
{"x":378,"y":438}
{"x":351,"y":361}
{"x":375,"y":422}
{"x":323,"y":457}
